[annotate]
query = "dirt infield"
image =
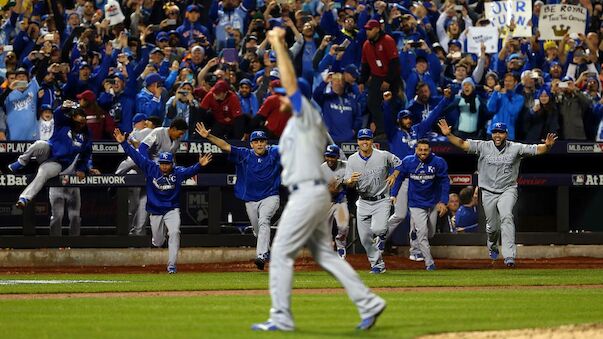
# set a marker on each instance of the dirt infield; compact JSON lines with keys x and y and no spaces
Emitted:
{"x":358,"y":261}
{"x":591,"y":331}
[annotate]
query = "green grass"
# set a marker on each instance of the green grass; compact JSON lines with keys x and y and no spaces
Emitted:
{"x":320,"y":279}
{"x":409,"y":314}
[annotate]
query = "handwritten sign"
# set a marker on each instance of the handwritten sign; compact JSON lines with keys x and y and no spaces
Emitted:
{"x":557,"y":20}
{"x":478,"y":35}
{"x":501,"y":13}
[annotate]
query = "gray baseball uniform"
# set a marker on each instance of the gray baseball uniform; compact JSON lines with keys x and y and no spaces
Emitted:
{"x":137,"y":196}
{"x":168,"y":223}
{"x":497,"y":179}
{"x":374,"y":203}
{"x":260,"y":215}
{"x":304,"y":220}
{"x":156,"y":140}
{"x":59,"y":196}
{"x":339,"y":204}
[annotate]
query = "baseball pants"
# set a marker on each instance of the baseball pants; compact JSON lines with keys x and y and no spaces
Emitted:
{"x":47,"y":170}
{"x":400,"y":213}
{"x":499,"y":220}
{"x":340,"y":213}
{"x":304,"y":222}
{"x":168,"y":223}
{"x":137,"y":199}
{"x":372,"y":221}
{"x":260,"y":215}
{"x":423,"y":222}
{"x":59,"y":198}
{"x":39,"y":150}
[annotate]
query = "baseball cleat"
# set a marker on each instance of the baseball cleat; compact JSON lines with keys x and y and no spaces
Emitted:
{"x":22,"y":203}
{"x":510,"y":262}
{"x":431,"y":267}
{"x":15,"y":166}
{"x":341,"y":252}
{"x":417,"y":257}
{"x":493,"y":254}
{"x":171,"y":269}
{"x":369,"y":322}
{"x":267,"y":326}
{"x":260,"y":263}
{"x":377,"y":270}
{"x":379,"y":242}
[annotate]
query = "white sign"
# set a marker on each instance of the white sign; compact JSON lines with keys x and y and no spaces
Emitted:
{"x":487,"y":35}
{"x":501,"y":13}
{"x":557,"y":20}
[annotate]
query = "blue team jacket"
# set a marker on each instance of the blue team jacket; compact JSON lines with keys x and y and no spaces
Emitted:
{"x":258,"y":177}
{"x":163,"y":191}
{"x":429,"y":182}
{"x":65,"y":145}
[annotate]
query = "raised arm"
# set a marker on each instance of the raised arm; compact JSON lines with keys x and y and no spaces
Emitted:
{"x":456,"y":141}
{"x":205,"y":133}
{"x":288,"y":79}
{"x":548,"y":144}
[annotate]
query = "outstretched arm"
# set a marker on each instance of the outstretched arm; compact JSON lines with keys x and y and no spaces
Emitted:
{"x":276,"y":37}
{"x":456,"y":141}
{"x":205,"y":133}
{"x":548,"y":144}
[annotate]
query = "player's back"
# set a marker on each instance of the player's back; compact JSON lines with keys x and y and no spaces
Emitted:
{"x":159,"y":141}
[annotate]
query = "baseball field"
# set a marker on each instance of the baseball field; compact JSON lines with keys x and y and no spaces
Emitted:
{"x":192,"y":304}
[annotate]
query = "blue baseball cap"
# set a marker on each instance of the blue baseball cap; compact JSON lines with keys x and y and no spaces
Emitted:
{"x":513,"y":57}
{"x":272,"y":56}
{"x":352,"y":69}
{"x":332,"y":151}
{"x":365,"y":133}
{"x":166,"y":157}
{"x":246,"y":81}
{"x":45,"y":107}
{"x":499,"y":127}
{"x":258,"y":135}
{"x":162,"y":36}
{"x":404,"y":114}
{"x":118,"y":75}
{"x":138,"y":118}
{"x":280,"y":90}
{"x":152,"y":78}
{"x":455,"y":42}
{"x":193,"y":8}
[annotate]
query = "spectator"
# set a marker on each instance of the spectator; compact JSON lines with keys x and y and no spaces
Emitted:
{"x":380,"y":70}
{"x":303,"y":50}
{"x":82,"y":76}
{"x":469,"y":112}
{"x":46,"y":124}
{"x":100,"y":124}
{"x":505,"y":104}
{"x":340,"y":112}
{"x":148,"y":100}
{"x":221,"y":110}
{"x":191,"y":29}
{"x":465,"y":218}
{"x":229,"y":13}
{"x":21,"y":107}
{"x":426,"y":69}
{"x":119,"y":99}
{"x":573,"y":109}
{"x":446,"y":224}
{"x":249,"y":102}
{"x":271,"y":115}
{"x":422,"y":103}
{"x":184,"y":106}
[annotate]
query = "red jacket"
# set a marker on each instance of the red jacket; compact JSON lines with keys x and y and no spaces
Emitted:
{"x":100,"y":128}
{"x":225,"y":111}
{"x":275,"y":119}
{"x":378,"y":55}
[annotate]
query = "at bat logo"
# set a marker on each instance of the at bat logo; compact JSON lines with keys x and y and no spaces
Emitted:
{"x":593,"y":180}
{"x":577,"y":179}
{"x":13,"y":180}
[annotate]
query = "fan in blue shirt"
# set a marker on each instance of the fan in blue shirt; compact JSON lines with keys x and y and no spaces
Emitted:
{"x":258,"y":172}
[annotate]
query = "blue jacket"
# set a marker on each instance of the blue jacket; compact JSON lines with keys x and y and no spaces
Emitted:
{"x":429,"y":182}
{"x":506,"y":108}
{"x":466,"y":218}
{"x":163,"y":191}
{"x":249,"y":104}
{"x":412,"y":77}
{"x":65,"y":146}
{"x":341,"y":114}
{"x":21,"y":113}
{"x":421,"y":111}
{"x":147,"y":104}
{"x":402,"y":143}
{"x":258,"y":177}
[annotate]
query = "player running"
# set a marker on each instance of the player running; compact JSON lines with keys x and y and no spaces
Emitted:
{"x":164,"y":181}
{"x":304,"y":220}
{"x":258,"y":180}
{"x":498,"y":168}
{"x":334,"y":169}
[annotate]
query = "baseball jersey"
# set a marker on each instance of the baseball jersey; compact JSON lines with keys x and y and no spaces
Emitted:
{"x":302,"y":143}
{"x":374,"y":170}
{"x":498,"y":170}
{"x":336,"y":175}
{"x":429,"y":183}
{"x":157,"y":141}
{"x":466,"y":217}
{"x":163,"y":191}
{"x":258,"y":177}
{"x":139,"y":134}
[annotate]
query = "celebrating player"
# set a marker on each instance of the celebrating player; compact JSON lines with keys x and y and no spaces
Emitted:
{"x":428,"y":194}
{"x":334,"y":169}
{"x":498,"y":168}
{"x":258,"y":179}
{"x":164,"y":181}
{"x":368,"y":171}
{"x":304,"y":220}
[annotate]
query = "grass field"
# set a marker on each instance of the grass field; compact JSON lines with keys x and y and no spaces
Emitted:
{"x":552,"y":300}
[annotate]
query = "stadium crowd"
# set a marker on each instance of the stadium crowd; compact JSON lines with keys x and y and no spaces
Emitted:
{"x":209,"y":61}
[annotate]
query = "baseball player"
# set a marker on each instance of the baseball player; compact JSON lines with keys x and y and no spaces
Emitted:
{"x":258,"y":180}
{"x":498,"y":168}
{"x":334,"y":169}
{"x":368,"y":171}
{"x":160,"y":139}
{"x":402,"y":137}
{"x":427,"y":194}
{"x":164,"y":181}
{"x":304,"y":220}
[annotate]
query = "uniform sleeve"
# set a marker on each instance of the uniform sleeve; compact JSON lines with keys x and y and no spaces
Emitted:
{"x":141,"y":161}
{"x":475,"y":146}
{"x":527,"y":150}
{"x":348,"y":169}
{"x":398,"y":183}
{"x":147,"y":142}
{"x":444,"y":180}
{"x":190,"y":171}
{"x":237,"y":154}
{"x":393,"y":161}
{"x":303,"y":109}
{"x":274,"y":151}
